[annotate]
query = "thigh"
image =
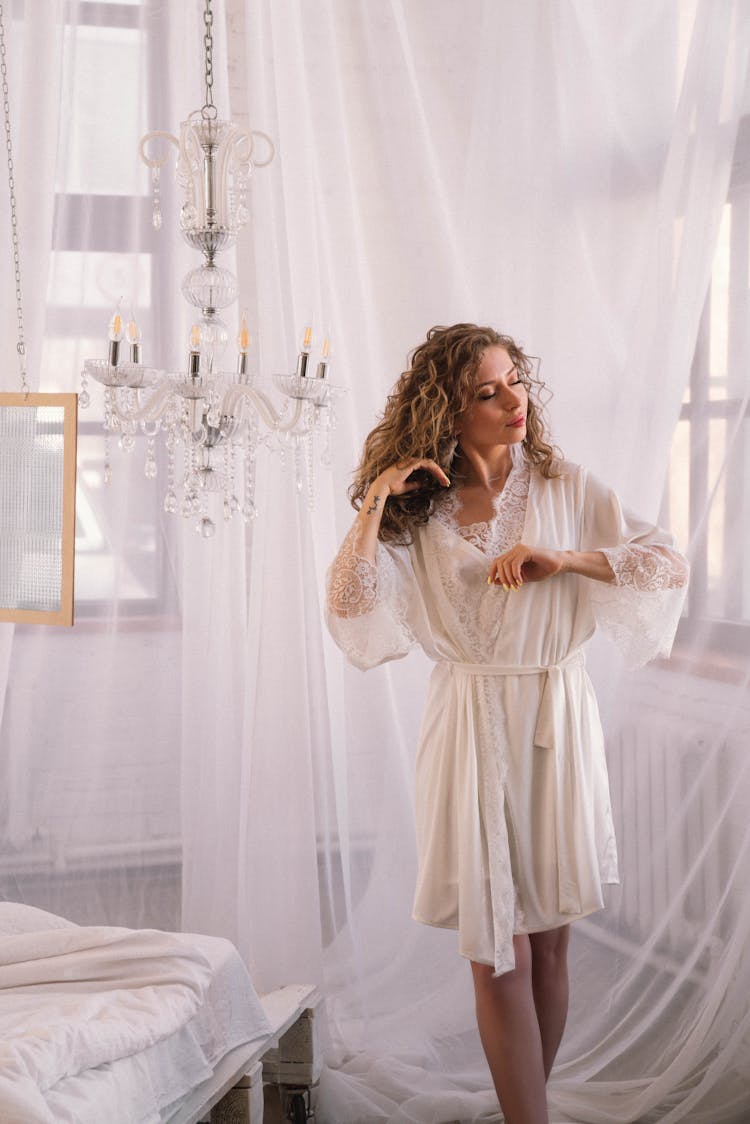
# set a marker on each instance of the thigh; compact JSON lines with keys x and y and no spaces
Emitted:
{"x":483,"y":973}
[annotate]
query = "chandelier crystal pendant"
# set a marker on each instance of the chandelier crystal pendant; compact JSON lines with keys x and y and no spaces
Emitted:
{"x":213,"y":413}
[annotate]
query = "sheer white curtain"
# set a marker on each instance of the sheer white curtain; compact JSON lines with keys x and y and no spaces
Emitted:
{"x":559,"y":171}
{"x":33,"y":60}
{"x":91,"y":728}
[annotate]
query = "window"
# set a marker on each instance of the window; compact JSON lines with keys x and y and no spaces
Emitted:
{"x":106,"y":250}
{"x":712,"y":441}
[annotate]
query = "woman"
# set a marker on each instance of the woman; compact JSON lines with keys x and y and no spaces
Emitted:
{"x":474,"y":539}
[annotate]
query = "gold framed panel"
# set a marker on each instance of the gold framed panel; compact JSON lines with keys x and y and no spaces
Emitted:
{"x":37,"y":507}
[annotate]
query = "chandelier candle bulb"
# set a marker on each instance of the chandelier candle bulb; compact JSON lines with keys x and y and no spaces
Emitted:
{"x":304,"y":354}
{"x":194,"y":359}
{"x":243,"y":344}
{"x":134,"y":339}
{"x":115,"y":338}
{"x":322,"y":368}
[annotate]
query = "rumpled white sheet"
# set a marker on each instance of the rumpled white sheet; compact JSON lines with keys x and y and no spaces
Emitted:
{"x":149,"y":1087}
{"x":74,"y":997}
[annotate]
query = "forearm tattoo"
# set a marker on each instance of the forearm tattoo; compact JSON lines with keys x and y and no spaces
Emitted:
{"x":374,"y":505}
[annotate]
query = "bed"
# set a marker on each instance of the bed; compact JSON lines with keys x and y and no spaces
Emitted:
{"x":125,"y":1026}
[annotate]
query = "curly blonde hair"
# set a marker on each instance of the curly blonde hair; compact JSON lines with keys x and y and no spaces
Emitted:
{"x":421,"y":416}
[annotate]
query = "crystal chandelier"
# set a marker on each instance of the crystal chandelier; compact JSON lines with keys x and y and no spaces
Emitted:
{"x":219,"y":417}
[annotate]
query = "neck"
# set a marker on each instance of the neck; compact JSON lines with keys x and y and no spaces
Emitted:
{"x":485,"y":468}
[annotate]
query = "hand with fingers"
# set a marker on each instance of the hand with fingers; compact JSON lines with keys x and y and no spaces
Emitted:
{"x":524,"y":564}
{"x":396,"y":480}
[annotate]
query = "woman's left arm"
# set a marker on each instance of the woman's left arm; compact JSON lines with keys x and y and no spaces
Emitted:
{"x":529,"y":564}
{"x":639,"y":578}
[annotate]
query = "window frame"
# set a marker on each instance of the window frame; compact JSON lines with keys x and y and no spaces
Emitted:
{"x":122,"y":224}
{"x":730,"y":634}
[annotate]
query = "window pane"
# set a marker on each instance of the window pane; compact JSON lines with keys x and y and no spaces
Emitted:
{"x":720,"y":308}
{"x":125,"y":511}
{"x":99,"y":280}
{"x":678,"y":496}
{"x":106,"y":118}
{"x":717,"y":515}
{"x":735,"y":576}
{"x":62,"y":360}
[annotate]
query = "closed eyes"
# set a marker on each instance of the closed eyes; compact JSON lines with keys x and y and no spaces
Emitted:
{"x":486,"y":397}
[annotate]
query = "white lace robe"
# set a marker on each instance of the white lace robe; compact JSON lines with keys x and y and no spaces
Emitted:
{"x":514,"y":826}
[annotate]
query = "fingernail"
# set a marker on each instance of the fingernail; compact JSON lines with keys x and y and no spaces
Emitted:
{"x":489,"y":580}
{"x":506,"y":588}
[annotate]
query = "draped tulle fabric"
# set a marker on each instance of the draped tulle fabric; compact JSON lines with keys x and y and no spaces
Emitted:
{"x":560,"y":171}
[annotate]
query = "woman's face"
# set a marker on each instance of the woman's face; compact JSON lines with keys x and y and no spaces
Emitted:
{"x":497,"y":415}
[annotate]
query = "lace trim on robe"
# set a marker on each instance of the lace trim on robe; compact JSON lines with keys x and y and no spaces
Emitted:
{"x":481,"y":617}
{"x":647,"y":568}
{"x":498,"y":534}
{"x":492,"y":770}
{"x":640,"y":610}
{"x":353,"y":580}
{"x":493,"y":537}
{"x":368,"y":604}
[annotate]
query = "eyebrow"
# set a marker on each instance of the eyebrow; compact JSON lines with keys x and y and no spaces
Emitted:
{"x":491,"y":382}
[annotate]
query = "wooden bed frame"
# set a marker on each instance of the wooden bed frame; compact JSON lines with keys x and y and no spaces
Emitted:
{"x":234,"y":1092}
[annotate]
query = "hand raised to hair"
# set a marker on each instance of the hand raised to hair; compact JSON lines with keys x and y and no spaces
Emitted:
{"x":394,"y":480}
{"x":524,"y":564}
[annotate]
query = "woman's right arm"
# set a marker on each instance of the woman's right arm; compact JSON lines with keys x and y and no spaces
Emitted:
{"x":352,"y":588}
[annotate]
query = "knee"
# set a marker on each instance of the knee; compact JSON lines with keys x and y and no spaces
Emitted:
{"x":549,"y":953}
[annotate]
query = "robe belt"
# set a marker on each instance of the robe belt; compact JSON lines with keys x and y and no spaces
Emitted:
{"x":549,"y":733}
{"x":548,"y":716}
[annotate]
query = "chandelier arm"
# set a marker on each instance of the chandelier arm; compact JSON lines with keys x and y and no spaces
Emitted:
{"x":151,"y":410}
{"x":271,"y":148}
{"x":153,"y":162}
{"x":238,"y":135}
{"x":304,"y":428}
{"x":264,"y":407}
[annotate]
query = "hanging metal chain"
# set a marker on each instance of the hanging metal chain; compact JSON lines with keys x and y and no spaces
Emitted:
{"x":20,"y":346}
{"x":209,"y":109}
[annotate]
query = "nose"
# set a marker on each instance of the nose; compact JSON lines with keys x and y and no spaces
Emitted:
{"x":512,"y":398}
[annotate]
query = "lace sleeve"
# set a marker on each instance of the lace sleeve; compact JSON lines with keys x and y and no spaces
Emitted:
{"x":352,"y":581}
{"x":370,"y":605}
{"x":647,"y":568}
{"x":641,"y":609}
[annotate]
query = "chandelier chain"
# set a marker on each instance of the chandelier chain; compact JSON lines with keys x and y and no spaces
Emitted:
{"x":20,"y":346}
{"x":209,"y":109}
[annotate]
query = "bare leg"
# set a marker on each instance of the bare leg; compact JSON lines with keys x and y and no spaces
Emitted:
{"x":509,"y":1029}
{"x":549,"y":980}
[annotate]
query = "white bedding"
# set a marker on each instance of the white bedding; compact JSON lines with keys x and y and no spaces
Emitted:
{"x":103,"y":1024}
